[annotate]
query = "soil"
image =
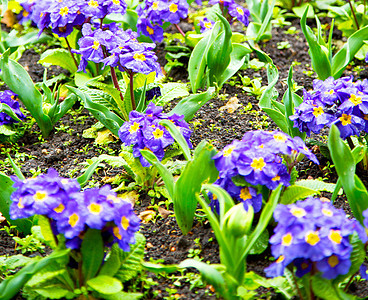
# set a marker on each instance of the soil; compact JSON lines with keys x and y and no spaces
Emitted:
{"x":66,"y":151}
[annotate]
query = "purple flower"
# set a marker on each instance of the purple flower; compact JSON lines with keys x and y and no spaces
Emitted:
{"x":155,"y":32}
{"x":9,"y":98}
{"x":143,"y":131}
{"x":239,"y":13}
{"x":313,"y":232}
{"x":40,"y":195}
{"x":206,"y":24}
{"x":127,"y":224}
{"x":176,"y":10}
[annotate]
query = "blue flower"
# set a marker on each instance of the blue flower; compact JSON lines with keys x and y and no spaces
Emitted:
{"x":10,"y":98}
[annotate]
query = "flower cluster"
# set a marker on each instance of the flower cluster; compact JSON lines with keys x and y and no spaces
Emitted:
{"x":9,"y":98}
{"x":233,"y":9}
{"x":341,"y":102}
{"x":313,"y":235}
{"x":153,"y":13}
{"x":144,"y":132}
{"x":63,"y":16}
{"x":258,"y":160}
{"x":115,"y":47}
{"x":206,"y":24}
{"x":72,"y":211}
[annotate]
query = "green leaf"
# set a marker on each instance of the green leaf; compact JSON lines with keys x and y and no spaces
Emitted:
{"x":324,"y":289}
{"x":131,"y":261}
{"x":198,"y":59}
{"x":53,"y":292}
{"x":113,"y":263}
{"x":5,"y":108}
{"x":46,"y":231}
{"x":58,"y":57}
{"x":134,"y":166}
{"x":218,"y":55}
{"x":317,"y":185}
{"x":171,"y":91}
{"x":300,"y":10}
{"x":19,"y":81}
{"x":6,"y":130}
{"x":179,"y":138}
{"x":12,"y":262}
{"x":346,"y":54}
{"x":319,"y":56}
{"x":159,"y":268}
{"x":295,"y":192}
{"x":270,"y":92}
{"x":261,"y":244}
{"x":111,"y":121}
{"x":105,"y":284}
{"x":6,"y":189}
{"x":344,"y":163}
{"x":167,"y":177}
{"x":11,"y":286}
{"x":92,"y":253}
{"x":122,"y":296}
{"x":190,"y":105}
{"x":209,"y":274}
{"x":83,"y":179}
{"x":277,"y":117}
{"x":196,"y":172}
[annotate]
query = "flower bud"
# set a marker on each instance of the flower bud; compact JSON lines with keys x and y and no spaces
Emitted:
{"x":46,"y":107}
{"x":238,"y":221}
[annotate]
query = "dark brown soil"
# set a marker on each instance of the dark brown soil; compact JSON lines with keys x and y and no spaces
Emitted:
{"x":65,"y":150}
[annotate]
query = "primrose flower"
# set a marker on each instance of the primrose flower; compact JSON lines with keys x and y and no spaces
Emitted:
{"x":312,"y":233}
{"x":9,"y":98}
{"x":41,"y":195}
{"x":144,"y":132}
{"x":234,"y":10}
{"x":206,"y":24}
{"x":341,"y":102}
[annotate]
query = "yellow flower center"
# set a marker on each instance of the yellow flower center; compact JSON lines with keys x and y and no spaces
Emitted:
{"x":327,"y":212}
{"x":155,"y":5}
{"x":244,"y":194}
{"x":113,"y":198}
{"x":312,"y":238}
{"x":139,"y":56}
{"x":93,"y":3}
{"x":116,"y":232}
{"x":333,"y":261}
{"x":280,"y":259}
{"x":298,"y":212}
{"x":73,"y":220}
{"x":279,"y":137}
{"x":317,"y":111}
{"x":287,"y":239}
{"x":355,"y":100}
{"x":258,"y":164}
{"x":20,"y":205}
{"x":304,"y":266}
{"x":95,"y":208}
{"x":173,"y":8}
{"x":276,"y":178}
{"x":124,"y":223}
{"x":208,"y":25}
{"x":335,"y":236}
{"x":63,"y":11}
{"x":158,"y":133}
{"x":134,"y":128}
{"x":116,"y":2}
{"x":96,"y":45}
{"x":240,"y":11}
{"x":345,"y":119}
{"x":330,"y":92}
{"x":228,"y":151}
{"x":149,"y":30}
{"x":40,"y":196}
{"x":59,"y":209}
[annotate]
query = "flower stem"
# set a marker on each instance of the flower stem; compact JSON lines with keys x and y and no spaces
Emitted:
{"x":71,"y":53}
{"x":115,"y":81}
{"x":350,"y":142}
{"x":179,"y":29}
{"x":131,"y":83}
{"x":349,"y":282}
{"x":353,"y":12}
{"x":297,"y":286}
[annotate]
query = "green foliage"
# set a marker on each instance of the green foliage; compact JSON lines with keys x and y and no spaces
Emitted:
{"x":261,"y":27}
{"x":58,"y":57}
{"x":323,"y":62}
{"x":215,"y":58}
{"x":345,"y":165}
{"x":92,"y":251}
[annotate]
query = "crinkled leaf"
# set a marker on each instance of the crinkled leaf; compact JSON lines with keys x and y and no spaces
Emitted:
{"x":130,"y":262}
{"x":171,"y":91}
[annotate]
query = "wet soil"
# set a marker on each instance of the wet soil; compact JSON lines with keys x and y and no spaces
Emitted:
{"x":66,"y":151}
